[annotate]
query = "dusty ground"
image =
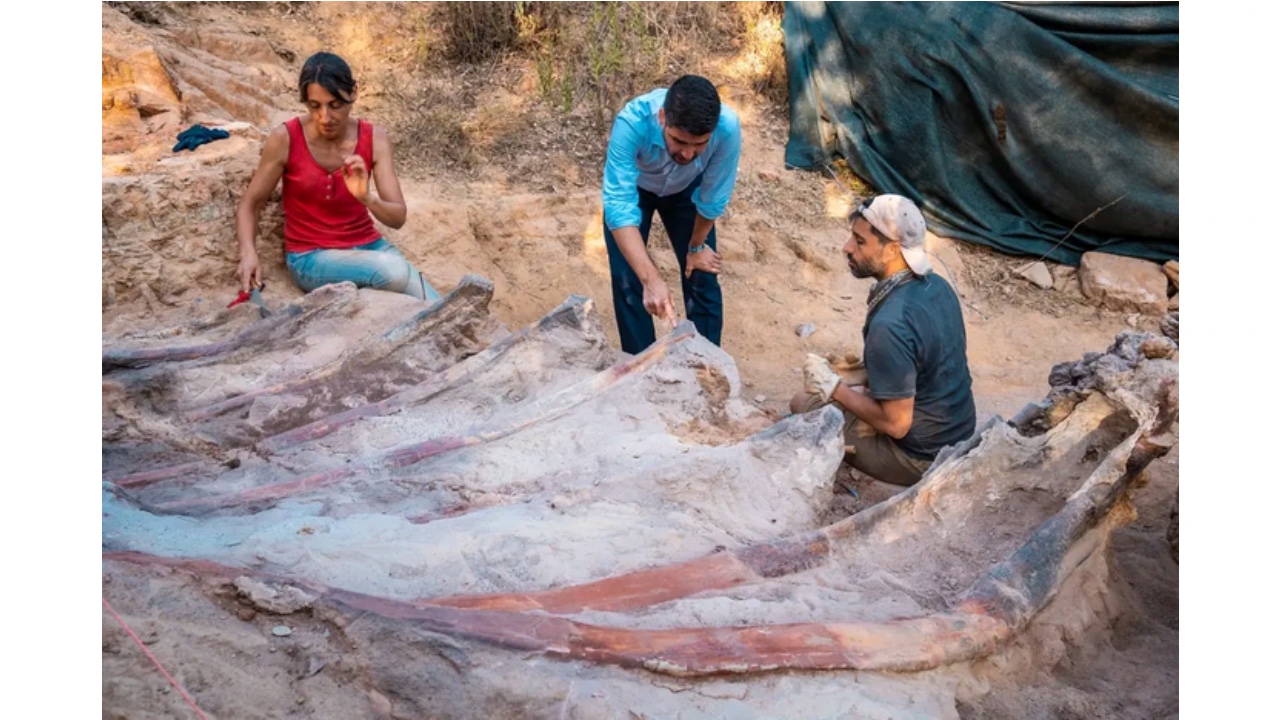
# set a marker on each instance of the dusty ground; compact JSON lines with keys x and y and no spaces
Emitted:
{"x":507,"y":188}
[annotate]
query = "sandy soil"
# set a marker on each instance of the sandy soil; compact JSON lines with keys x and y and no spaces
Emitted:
{"x":530,"y":221}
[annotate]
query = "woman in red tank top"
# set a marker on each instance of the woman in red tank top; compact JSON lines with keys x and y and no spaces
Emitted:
{"x":326,"y":159}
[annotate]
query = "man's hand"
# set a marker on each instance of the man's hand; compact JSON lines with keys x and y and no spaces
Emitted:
{"x":657,"y":300}
{"x":706,"y":260}
{"x":356,"y":176}
{"x":850,"y":368}
{"x":250,"y":270}
{"x":819,"y":377}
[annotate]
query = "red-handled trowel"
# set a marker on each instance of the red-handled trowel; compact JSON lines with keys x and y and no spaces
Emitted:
{"x":254,"y":296}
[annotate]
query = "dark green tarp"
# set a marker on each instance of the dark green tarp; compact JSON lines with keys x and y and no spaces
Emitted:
{"x":1009,"y":123}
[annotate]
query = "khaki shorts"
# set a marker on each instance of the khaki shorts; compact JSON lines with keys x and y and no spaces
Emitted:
{"x":873,"y":453}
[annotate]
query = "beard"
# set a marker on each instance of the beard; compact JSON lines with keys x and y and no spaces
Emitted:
{"x":862,"y":270}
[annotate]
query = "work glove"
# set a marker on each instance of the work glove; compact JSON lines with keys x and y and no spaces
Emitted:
{"x":849,"y":367}
{"x":819,"y":377}
{"x":197,"y":135}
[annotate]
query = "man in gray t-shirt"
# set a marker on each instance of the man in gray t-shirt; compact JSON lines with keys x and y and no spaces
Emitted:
{"x":918,"y":396}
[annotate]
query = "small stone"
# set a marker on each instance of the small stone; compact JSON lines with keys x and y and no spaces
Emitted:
{"x":246,"y":613}
{"x":761,"y":398}
{"x":1169,"y":326}
{"x":281,"y":631}
{"x":381,"y":705}
{"x":805,"y":330}
{"x":769,"y":176}
{"x":1133,"y":320}
{"x":1037,"y":274}
{"x":271,"y":597}
{"x":314,"y":665}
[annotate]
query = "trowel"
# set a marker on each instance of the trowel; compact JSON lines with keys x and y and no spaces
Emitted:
{"x":254,"y":296}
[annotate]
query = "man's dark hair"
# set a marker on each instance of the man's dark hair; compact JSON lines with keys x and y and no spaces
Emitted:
{"x":692,"y":105}
{"x":329,"y":72}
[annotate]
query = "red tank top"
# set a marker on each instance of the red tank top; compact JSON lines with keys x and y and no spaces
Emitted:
{"x":319,"y":212}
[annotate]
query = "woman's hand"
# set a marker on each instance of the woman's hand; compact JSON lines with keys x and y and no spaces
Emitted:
{"x":250,"y":270}
{"x":356,"y":176}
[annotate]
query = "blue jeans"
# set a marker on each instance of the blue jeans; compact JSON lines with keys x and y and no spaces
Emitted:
{"x":702,"y":299}
{"x":374,"y":265}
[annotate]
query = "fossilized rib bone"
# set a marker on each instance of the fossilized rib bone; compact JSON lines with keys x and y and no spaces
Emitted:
{"x":572,"y":312}
{"x":469,"y":298}
{"x":1142,"y":395}
{"x":542,"y":410}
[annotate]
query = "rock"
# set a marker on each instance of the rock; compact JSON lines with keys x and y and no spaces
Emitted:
{"x":1172,"y":533}
{"x":761,"y":398}
{"x":1158,"y":348}
{"x":805,"y":330}
{"x":1038,"y":274}
{"x":1124,"y":283}
{"x":314,"y":665}
{"x":281,"y":631}
{"x":155,"y":82}
{"x":381,"y":705}
{"x":946,"y":261}
{"x":1171,"y":272}
{"x":188,"y":203}
{"x":769,"y":176}
{"x":1169,"y":326}
{"x":1066,"y":280}
{"x":276,"y":599}
{"x":1173,"y":302}
{"x":1133,"y":320}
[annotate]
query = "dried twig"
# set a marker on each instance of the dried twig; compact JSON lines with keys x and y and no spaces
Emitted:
{"x":1086,"y":218}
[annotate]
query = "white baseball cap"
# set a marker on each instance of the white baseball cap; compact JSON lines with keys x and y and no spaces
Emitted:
{"x":897,"y":218}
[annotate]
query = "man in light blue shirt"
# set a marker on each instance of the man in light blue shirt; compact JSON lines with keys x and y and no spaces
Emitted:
{"x":674,"y":151}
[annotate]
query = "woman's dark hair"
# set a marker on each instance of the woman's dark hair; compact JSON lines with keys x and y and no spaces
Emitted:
{"x":329,"y":72}
{"x":692,"y":105}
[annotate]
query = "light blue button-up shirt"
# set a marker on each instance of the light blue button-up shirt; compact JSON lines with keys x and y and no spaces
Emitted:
{"x":638,"y":158}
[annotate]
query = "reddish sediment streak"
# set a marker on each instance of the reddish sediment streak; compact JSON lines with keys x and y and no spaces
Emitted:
{"x":258,"y":494}
{"x":150,"y":477}
{"x":908,"y":644}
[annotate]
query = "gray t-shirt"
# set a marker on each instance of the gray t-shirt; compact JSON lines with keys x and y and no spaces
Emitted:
{"x":914,"y":346}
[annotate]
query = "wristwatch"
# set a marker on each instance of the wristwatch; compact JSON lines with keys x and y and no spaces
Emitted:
{"x":698,"y":249}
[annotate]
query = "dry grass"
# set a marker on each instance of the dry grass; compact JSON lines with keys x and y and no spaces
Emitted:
{"x":993,"y":277}
{"x":466,"y":86}
{"x":474,"y":83}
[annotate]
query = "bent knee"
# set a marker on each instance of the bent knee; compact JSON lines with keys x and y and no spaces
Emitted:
{"x":803,"y":402}
{"x":391,"y":273}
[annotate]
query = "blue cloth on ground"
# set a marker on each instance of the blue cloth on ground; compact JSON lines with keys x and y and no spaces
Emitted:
{"x":197,"y":135}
